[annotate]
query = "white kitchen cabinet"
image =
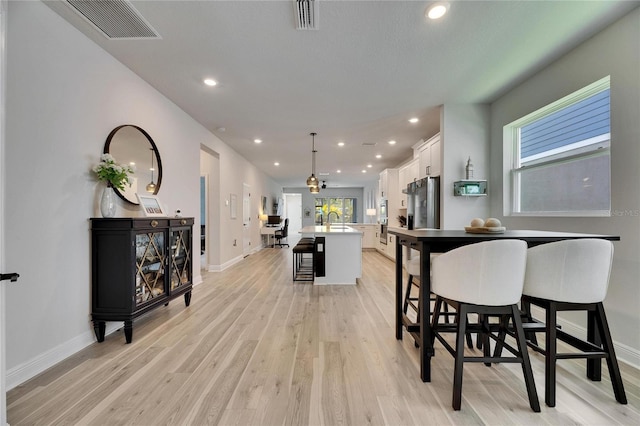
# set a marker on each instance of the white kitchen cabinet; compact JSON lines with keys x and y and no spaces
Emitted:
{"x":368,"y":235}
{"x":429,"y":155}
{"x":389,"y":192}
{"x":407,"y":174}
{"x":391,"y":246}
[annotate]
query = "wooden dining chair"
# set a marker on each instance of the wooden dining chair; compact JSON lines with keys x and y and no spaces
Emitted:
{"x":484,"y":278}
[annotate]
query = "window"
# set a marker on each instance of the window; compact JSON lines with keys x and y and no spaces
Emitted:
{"x":561,"y":157}
{"x":342,"y":210}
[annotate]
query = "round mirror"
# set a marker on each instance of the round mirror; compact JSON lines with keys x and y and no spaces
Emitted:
{"x":130,"y":144}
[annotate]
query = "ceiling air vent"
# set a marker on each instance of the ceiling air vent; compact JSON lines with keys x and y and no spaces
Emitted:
{"x":306,"y":14}
{"x":369,"y":143}
{"x":116,"y":19}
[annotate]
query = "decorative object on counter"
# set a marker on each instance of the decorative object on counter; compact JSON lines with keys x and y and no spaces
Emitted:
{"x":131,"y":145}
{"x":312,"y":181}
{"x":178,"y":213}
{"x":470,"y":188}
{"x":489,"y":226}
{"x":108,"y":202}
{"x":150,"y":205}
{"x":468,"y":170}
{"x":402,"y":220}
{"x":114,"y":176}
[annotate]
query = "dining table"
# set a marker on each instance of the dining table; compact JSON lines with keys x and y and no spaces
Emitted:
{"x":428,"y":241}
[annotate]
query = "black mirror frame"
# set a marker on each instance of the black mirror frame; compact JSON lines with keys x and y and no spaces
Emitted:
{"x":155,"y":151}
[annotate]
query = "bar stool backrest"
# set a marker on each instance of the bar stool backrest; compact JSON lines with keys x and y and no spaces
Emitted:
{"x":487,"y":273}
{"x":575,"y":271}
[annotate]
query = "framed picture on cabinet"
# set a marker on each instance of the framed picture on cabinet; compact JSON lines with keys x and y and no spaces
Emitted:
{"x":150,"y":205}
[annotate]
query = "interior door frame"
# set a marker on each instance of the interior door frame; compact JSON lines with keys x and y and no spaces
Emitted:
{"x":3,"y":357}
{"x":246,"y":219}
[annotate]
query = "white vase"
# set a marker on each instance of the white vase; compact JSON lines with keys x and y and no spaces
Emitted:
{"x":108,"y":202}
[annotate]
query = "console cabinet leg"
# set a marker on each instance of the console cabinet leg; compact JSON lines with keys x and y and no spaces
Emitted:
{"x":187,"y":298}
{"x":99,"y":328}
{"x":128,"y":330}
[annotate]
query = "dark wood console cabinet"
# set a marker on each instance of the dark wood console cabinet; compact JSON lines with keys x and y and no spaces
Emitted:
{"x":138,"y":264}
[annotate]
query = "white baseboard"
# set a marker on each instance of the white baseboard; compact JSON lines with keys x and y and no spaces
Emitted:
{"x":624,"y":353}
{"x":220,"y":268}
{"x":48,"y":359}
{"x":197,"y":279}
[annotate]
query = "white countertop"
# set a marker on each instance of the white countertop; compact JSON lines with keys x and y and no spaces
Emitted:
{"x":333,"y":230}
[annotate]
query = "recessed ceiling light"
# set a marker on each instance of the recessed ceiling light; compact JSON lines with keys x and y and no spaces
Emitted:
{"x":276,"y":164}
{"x":364,"y":171}
{"x":210,"y":82}
{"x":340,"y":143}
{"x":338,"y":171}
{"x":369,"y":166}
{"x":392,"y":142}
{"x":378,"y":156}
{"x":437,"y":10}
{"x":413,"y":120}
{"x":257,"y":140}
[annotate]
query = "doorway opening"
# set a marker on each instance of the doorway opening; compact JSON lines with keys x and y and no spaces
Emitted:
{"x":292,"y":209}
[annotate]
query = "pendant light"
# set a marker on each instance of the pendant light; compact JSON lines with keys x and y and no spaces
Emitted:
{"x":312,"y":181}
{"x":151,"y":187}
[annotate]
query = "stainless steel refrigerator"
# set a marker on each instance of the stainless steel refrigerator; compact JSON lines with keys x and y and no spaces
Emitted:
{"x":423,"y":203}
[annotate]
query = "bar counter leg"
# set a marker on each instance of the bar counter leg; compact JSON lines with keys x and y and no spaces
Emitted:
{"x":426,"y":342}
{"x":398,"y":289}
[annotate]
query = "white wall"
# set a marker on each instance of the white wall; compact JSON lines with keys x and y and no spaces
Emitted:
{"x":464,"y":133}
{"x":615,"y":52}
{"x":64,"y":96}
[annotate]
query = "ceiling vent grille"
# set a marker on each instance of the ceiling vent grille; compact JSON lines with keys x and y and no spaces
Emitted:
{"x":116,"y":19}
{"x":306,"y":14}
{"x":369,"y":143}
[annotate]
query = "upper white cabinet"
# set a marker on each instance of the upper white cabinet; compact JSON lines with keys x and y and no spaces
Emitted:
{"x":407,"y":174}
{"x":388,"y":183}
{"x":429,"y":155}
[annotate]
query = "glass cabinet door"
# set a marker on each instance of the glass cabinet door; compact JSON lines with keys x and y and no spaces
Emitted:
{"x":150,"y":266}
{"x":180,"y":257}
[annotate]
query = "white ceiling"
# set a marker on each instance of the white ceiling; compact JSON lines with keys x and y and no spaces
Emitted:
{"x":369,"y":67}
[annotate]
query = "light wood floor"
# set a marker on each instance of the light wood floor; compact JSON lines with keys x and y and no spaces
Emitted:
{"x":255,"y":349}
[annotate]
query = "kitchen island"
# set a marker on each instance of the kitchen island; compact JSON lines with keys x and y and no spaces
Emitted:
{"x":342,"y":251}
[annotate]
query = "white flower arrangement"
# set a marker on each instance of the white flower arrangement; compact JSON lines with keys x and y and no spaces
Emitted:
{"x":116,"y":175}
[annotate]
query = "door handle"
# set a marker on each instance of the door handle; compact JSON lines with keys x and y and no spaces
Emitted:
{"x":12,"y":276}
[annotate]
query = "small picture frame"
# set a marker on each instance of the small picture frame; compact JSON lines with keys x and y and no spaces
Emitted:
{"x":234,"y":206}
{"x":150,"y":205}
